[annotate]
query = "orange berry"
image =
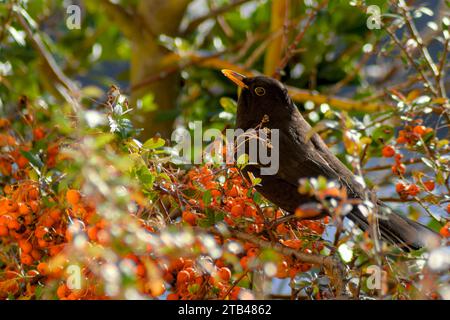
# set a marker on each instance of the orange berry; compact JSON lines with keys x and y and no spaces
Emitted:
{"x":388,"y":151}
{"x":173,"y":296}
{"x":189,"y":217}
{"x":176,"y":264}
{"x":400,"y":187}
{"x":252,"y":252}
{"x":191,"y":271}
{"x":92,"y":233}
{"x":38,"y":133}
{"x":244,"y":262}
{"x":55,"y":214}
{"x":42,"y":267}
{"x":36,"y":254}
{"x":249,"y":211}
{"x":62,"y":291}
{"x":13,"y":225}
{"x":34,"y":205}
{"x":73,"y":196}
{"x":26,"y":259}
{"x":3,"y":231}
{"x":183,"y":277}
{"x":295,"y":243}
{"x":448,"y":208}
{"x":53,"y":251}
{"x":234,"y":294}
{"x":445,"y":230}
{"x":233,"y":192}
{"x":25,"y":246}
{"x":40,"y":232}
{"x":224,"y":274}
{"x":429,"y":185}
{"x":282,"y":269}
{"x":23,"y":208}
{"x":420,"y":130}
{"x":412,"y":190}
{"x":168,"y":277}
{"x":47,"y":221}
{"x":22,"y":162}
{"x":237,"y":210}
{"x":33,"y":193}
{"x":140,"y":270}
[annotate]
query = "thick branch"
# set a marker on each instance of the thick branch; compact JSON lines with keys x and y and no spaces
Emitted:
{"x":279,"y":15}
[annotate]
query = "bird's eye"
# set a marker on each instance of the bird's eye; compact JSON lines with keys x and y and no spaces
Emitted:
{"x":260,"y":91}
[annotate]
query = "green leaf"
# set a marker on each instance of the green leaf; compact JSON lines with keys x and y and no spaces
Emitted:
{"x":228,"y":104}
{"x":204,"y":223}
{"x":34,"y":159}
{"x":434,"y":225}
{"x":442,"y":143}
{"x":207,"y":198}
{"x":255,"y":181}
{"x":219,"y":217}
{"x":103,"y":140}
{"x":147,"y":103}
{"x":242,"y":161}
{"x":154,"y":143}
{"x":383,"y":134}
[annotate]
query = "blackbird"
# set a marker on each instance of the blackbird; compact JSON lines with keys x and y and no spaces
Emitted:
{"x":302,"y":155}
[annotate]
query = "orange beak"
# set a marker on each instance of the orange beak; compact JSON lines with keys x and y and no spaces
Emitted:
{"x":237,"y":78}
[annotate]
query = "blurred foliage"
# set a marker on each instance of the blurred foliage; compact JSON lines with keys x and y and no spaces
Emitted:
{"x":83,"y":185}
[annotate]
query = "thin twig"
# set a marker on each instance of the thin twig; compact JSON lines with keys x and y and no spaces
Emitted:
{"x":412,"y":62}
{"x":213,"y":13}
{"x":291,"y":49}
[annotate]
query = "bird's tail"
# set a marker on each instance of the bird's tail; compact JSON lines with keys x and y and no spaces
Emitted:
{"x":399,"y":230}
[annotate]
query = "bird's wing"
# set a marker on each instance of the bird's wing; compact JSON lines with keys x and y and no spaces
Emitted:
{"x":300,"y":159}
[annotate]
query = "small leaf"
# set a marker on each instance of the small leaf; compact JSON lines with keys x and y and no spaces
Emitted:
{"x":228,"y":104}
{"x":383,"y":134}
{"x":207,"y":198}
{"x":428,"y":162}
{"x":242,"y":161}
{"x":255,"y":181}
{"x":34,"y":159}
{"x":154,"y":143}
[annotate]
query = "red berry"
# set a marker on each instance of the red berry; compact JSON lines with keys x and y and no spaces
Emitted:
{"x":400,"y":187}
{"x":420,"y":130}
{"x":429,"y":185}
{"x":224,"y":274}
{"x":445,"y":230}
{"x":388,"y":151}
{"x":237,"y":211}
{"x":412,"y":190}
{"x":183,"y":277}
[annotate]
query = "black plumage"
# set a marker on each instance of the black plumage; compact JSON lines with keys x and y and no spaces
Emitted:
{"x":302,"y":156}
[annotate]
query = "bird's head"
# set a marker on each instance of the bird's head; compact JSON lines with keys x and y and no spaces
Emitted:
{"x":261,"y":96}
